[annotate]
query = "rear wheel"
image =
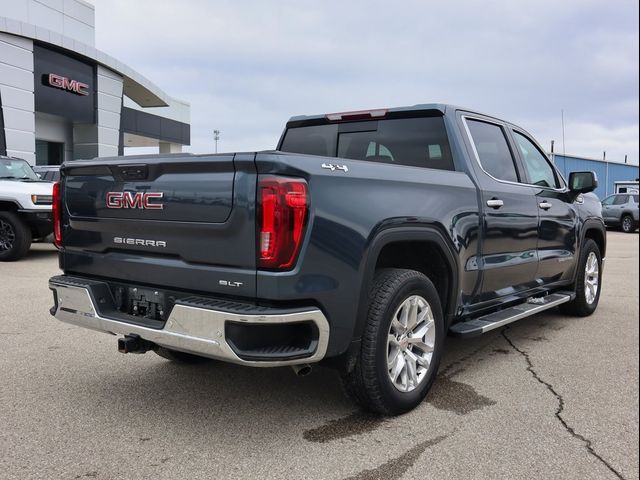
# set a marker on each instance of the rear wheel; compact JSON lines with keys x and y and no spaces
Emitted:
{"x":401,"y":345}
{"x":627,"y":224}
{"x":588,"y":286}
{"x":177,"y":356}
{"x":15,"y":237}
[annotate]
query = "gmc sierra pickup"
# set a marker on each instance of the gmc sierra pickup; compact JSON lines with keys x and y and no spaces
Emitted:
{"x":360,"y":243}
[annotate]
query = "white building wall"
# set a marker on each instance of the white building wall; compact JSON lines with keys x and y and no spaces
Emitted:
{"x":71,"y":18}
{"x":16,"y":91}
{"x":110,"y":86}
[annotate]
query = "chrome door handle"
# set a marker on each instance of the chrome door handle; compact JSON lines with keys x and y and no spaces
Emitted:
{"x":495,"y":203}
{"x":545,"y":205}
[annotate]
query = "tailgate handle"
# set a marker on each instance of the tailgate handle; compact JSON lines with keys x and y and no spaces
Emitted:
{"x":132,"y":172}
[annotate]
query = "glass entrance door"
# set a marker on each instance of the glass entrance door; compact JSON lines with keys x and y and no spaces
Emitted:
{"x":49,"y":153}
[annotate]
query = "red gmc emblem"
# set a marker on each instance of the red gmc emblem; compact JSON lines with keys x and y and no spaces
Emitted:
{"x":139,"y":200}
{"x":67,"y":84}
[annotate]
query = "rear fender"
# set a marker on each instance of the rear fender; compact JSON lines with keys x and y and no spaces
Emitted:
{"x":406,"y":234}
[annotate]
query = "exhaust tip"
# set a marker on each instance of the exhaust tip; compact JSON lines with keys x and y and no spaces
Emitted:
{"x":302,"y":370}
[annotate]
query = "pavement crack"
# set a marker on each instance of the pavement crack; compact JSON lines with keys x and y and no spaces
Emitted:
{"x":561,"y":403}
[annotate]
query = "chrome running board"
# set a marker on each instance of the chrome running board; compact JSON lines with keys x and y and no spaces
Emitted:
{"x":486,"y":323}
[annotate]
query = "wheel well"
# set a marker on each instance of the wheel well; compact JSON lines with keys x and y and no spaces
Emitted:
{"x":425,"y":257}
{"x":6,"y":206}
{"x":597,"y":236}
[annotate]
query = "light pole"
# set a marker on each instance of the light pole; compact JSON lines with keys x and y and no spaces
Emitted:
{"x":216,"y":137}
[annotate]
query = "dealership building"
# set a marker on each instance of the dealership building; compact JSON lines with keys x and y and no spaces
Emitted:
{"x":63,"y":99}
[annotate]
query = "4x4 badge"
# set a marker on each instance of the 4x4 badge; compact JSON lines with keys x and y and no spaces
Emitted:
{"x":333,"y":168}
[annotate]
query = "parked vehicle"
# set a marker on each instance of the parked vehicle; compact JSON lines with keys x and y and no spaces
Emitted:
{"x":25,"y":208}
{"x":359,"y":243}
{"x":621,"y":211}
{"x":50,"y":173}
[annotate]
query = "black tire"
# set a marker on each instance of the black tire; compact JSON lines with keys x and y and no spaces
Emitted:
{"x":177,"y":356}
{"x":368,"y":381}
{"x":15,"y":237}
{"x":580,"y":307}
{"x":627,"y":224}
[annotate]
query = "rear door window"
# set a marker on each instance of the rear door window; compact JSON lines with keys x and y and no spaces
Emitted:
{"x":417,"y":142}
{"x":620,"y":199}
{"x":493,"y":150}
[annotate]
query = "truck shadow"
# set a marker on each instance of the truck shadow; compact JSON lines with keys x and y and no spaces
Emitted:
{"x":225,"y":398}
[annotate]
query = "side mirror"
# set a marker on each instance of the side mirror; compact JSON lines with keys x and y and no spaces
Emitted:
{"x":583,"y":182}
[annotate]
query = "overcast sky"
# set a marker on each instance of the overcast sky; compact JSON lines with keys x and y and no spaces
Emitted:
{"x":247,"y":66}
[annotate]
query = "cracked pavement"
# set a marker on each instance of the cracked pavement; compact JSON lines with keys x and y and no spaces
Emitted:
{"x":548,"y":397}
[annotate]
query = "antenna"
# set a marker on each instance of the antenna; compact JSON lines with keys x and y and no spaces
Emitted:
{"x":562,"y":116}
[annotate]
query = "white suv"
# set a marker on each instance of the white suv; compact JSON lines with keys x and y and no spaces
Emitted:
{"x":25,"y":208}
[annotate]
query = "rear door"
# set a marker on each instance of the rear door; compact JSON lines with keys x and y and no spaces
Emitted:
{"x":557,"y":215}
{"x":508,"y":260}
{"x":180,"y":221}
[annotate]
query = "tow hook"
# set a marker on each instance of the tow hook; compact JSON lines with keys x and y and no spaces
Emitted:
{"x":134,"y":344}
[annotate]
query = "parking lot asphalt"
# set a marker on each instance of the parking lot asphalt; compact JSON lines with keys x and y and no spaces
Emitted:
{"x":547,"y":397}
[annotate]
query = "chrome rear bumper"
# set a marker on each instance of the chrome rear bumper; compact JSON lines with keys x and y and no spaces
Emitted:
{"x":196,"y":330}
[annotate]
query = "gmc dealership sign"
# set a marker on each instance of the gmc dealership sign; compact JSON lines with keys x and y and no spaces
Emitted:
{"x":64,"y":83}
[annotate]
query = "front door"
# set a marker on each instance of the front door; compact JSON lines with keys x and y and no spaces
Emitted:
{"x":508,"y":260}
{"x":607,"y":208}
{"x":558,"y":219}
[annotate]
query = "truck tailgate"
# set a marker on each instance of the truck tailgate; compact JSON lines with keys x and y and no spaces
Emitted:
{"x":183,"y":221}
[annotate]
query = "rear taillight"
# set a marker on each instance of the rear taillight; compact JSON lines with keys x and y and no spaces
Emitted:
{"x":57,"y":215}
{"x":284,"y":204}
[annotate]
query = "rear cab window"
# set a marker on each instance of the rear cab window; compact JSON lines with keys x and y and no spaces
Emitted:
{"x":417,"y":142}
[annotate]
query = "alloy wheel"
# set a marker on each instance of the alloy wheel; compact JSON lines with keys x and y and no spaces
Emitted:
{"x":410,"y":343}
{"x":7,"y":236}
{"x":591,"y":278}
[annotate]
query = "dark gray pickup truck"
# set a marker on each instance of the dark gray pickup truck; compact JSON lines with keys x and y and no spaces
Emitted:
{"x":359,"y":243}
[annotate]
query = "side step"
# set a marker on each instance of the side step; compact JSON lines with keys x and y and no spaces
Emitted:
{"x":480,"y":325}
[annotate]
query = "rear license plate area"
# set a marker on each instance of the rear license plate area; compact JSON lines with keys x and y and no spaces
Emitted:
{"x":142,"y":302}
